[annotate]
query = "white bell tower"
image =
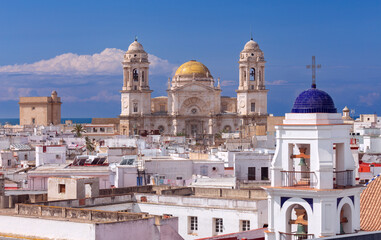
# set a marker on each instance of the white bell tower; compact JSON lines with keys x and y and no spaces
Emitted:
{"x":313,"y":192}
{"x":251,"y":93}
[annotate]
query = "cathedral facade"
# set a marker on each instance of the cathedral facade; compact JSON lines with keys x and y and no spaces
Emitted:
{"x":193,"y":105}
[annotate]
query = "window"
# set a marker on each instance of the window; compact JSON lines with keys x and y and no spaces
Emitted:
{"x":227,"y":129}
{"x":179,"y":178}
{"x":142,"y":76}
{"x":264,"y":173}
{"x":162,"y":108}
{"x":245,"y":225}
{"x":33,"y":108}
{"x":252,"y":74}
{"x":251,"y":173}
{"x":135,"y":107}
{"x":9,"y":162}
{"x":204,"y":170}
{"x":161,"y":129}
{"x":135,"y":75}
{"x":102,"y":129}
{"x":193,"y":224}
{"x":58,"y":156}
{"x":33,"y":120}
{"x":135,"y":87}
{"x":219,"y":225}
{"x":95,"y":130}
{"x":26,"y":156}
{"x":194,"y":110}
{"x":61,"y":188}
{"x":252,"y":107}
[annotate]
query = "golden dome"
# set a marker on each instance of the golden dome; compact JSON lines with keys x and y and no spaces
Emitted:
{"x":193,"y":67}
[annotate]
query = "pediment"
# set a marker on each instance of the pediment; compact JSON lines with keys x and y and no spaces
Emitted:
{"x":194,"y":87}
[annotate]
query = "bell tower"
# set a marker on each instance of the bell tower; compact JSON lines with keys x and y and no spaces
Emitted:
{"x":135,"y":94}
{"x":313,"y":192}
{"x":251,"y":93}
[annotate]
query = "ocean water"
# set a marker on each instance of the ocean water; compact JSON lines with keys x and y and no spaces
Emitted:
{"x":15,"y":121}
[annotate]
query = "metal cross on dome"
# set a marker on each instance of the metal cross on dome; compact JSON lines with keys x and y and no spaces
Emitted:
{"x":313,"y":66}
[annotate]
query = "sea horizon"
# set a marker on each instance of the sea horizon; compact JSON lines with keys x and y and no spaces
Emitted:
{"x":16,"y":121}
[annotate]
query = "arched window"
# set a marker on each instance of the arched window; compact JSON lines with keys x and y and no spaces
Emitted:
{"x":252,"y":74}
{"x":227,"y":129}
{"x":161,"y":129}
{"x":135,"y":74}
{"x":142,"y":76}
{"x":135,"y":107}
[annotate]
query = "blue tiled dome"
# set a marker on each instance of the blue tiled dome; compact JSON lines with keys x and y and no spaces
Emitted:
{"x":314,"y":101}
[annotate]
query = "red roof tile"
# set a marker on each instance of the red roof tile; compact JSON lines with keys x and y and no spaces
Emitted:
{"x":370,"y":206}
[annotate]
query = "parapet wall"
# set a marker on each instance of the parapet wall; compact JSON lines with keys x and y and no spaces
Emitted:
{"x":187,"y":191}
{"x":76,"y":213}
{"x":89,"y":202}
{"x":230,"y":193}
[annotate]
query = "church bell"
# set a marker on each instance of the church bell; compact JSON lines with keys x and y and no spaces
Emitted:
{"x":301,"y":229}
{"x":302,"y":162}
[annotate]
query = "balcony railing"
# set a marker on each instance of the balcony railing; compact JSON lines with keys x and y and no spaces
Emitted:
{"x":342,"y":179}
{"x":295,"y":236}
{"x":298,"y":179}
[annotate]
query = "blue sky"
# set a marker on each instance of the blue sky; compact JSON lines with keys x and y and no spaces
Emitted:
{"x":82,"y":42}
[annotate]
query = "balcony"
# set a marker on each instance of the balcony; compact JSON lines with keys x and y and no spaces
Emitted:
{"x":342,"y":179}
{"x":298,"y":179}
{"x":295,"y":236}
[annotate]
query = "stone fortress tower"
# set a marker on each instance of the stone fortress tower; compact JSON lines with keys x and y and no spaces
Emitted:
{"x":194,"y":105}
{"x":40,"y":110}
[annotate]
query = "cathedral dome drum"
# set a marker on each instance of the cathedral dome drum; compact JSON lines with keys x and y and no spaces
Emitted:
{"x":314,"y":101}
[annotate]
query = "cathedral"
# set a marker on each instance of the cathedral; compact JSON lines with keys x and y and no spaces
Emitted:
{"x":193,"y":105}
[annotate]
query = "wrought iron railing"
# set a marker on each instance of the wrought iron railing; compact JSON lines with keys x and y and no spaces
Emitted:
{"x":298,"y":179}
{"x":295,"y":236}
{"x":342,"y":179}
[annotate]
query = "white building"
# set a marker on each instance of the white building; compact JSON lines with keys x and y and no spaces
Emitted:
{"x":6,"y":159}
{"x":207,"y":214}
{"x":52,"y":154}
{"x":313,"y":192}
{"x":252,"y":166}
{"x":180,"y":171}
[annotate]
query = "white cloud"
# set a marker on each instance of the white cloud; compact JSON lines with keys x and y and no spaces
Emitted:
{"x":277,"y":82}
{"x":370,"y":99}
{"x":108,"y":62}
{"x":11,"y":93}
{"x":102,"y":96}
{"x":226,"y":83}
